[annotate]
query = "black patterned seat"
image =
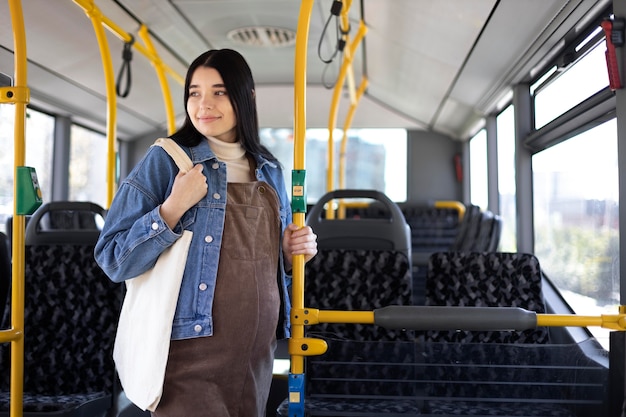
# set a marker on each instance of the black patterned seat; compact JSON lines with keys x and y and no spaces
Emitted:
{"x":71,"y":313}
{"x":362,"y":264}
{"x":489,"y":279}
{"x":485,"y":279}
{"x":357,"y":280}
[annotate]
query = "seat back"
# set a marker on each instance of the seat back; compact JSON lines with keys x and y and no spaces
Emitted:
{"x":485,"y":279}
{"x":468,"y":228}
{"x":390,"y":233}
{"x":362,"y":264}
{"x":357,"y":280}
{"x":71,"y":313}
{"x":495,"y":234}
{"x":502,"y":372}
{"x":60,"y":222}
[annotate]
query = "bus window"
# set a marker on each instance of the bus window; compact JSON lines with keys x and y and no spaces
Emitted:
{"x":39,"y":138}
{"x":585,"y":78}
{"x":88,"y":166}
{"x":375,"y":159}
{"x":576,"y":220}
{"x":506,"y":179}
{"x":478,"y":170}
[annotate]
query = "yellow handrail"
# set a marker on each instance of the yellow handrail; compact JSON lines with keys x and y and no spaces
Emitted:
{"x":99,"y":23}
{"x":456,"y":205}
{"x":19,"y":95}
{"x":346,"y":66}
{"x":97,"y":20}
{"x":344,"y":144}
{"x":312,"y":316}
{"x":302,"y":34}
{"x":346,"y":127}
{"x":297,"y":341}
{"x":88,"y":6}
{"x":159,"y":66}
{"x":345,"y":71}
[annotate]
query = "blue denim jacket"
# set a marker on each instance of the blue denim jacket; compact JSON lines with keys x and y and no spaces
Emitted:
{"x":134,"y":234}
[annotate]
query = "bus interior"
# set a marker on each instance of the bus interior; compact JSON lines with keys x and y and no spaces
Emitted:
{"x":460,"y":156}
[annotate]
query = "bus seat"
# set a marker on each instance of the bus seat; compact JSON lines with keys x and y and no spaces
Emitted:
{"x":499,"y":279}
{"x":5,"y":275}
{"x":495,"y":234}
{"x":390,"y":233}
{"x":488,"y":234}
{"x":468,"y":227}
{"x":487,"y":279}
{"x":357,"y":280}
{"x":362,"y":264}
{"x":58,"y":221}
{"x":71,"y":314}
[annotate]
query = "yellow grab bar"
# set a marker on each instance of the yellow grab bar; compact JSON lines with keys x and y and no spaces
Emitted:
{"x":159,"y":66}
{"x":458,"y":206}
{"x":89,"y":7}
{"x":346,"y":66}
{"x":456,"y":317}
{"x":344,"y":144}
{"x":302,"y":35}
{"x":346,"y":127}
{"x":19,"y":95}
{"x":97,"y":21}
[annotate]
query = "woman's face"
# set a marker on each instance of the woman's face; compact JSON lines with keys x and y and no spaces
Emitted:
{"x":209,"y":106}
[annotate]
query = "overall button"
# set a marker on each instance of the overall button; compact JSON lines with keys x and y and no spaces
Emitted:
{"x":208,"y":239}
{"x":262,"y":189}
{"x":197,"y":328}
{"x":216,"y":196}
{"x":203,"y":286}
{"x":155,"y":226}
{"x":215,"y":165}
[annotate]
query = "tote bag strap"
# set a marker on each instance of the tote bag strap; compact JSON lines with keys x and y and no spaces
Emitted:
{"x":176,"y":152}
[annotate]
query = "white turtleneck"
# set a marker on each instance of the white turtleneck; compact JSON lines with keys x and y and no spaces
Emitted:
{"x":234,"y":155}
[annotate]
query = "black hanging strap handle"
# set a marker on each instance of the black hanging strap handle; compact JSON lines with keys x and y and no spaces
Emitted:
{"x":127,"y":56}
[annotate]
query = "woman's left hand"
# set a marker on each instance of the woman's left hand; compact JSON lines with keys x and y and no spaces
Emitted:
{"x":299,"y":241}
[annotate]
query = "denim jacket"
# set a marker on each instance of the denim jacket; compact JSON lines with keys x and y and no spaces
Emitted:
{"x":134,"y":234}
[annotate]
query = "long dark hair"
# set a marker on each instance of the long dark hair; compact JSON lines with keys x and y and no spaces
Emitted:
{"x":239,"y":84}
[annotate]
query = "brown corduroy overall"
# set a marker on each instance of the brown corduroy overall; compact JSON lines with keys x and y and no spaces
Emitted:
{"x":229,"y":374}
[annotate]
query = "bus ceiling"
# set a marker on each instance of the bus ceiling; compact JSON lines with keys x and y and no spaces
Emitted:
{"x":419,"y":76}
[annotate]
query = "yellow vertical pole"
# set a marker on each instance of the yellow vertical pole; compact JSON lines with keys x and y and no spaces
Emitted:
{"x":160,"y":70}
{"x":302,"y":35}
{"x":17,"y":275}
{"x":346,"y":126}
{"x":19,"y":95}
{"x":344,"y":142}
{"x":109,"y":78}
{"x":345,"y":71}
{"x":296,"y":376}
{"x":346,"y":67}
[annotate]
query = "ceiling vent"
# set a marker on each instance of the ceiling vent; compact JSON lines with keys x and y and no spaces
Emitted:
{"x":263,"y":36}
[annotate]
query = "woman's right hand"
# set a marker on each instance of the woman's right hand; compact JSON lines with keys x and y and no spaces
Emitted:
{"x":189,"y":188}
